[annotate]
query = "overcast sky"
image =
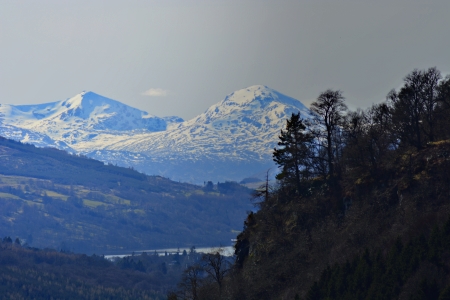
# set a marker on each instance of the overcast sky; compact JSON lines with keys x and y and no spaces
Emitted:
{"x":179,"y":57}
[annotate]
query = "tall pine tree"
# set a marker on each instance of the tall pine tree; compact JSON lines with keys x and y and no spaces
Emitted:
{"x":293,"y":153}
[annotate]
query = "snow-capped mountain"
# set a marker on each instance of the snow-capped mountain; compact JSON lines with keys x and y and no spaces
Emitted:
{"x":79,"y":117}
{"x":229,"y":141}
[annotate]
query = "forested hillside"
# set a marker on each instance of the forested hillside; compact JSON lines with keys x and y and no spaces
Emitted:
{"x":362,"y":207}
{"x":50,"y":198}
{"x":31,"y":273}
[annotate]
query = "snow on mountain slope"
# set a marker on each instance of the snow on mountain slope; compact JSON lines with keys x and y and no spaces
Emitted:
{"x":244,"y":125}
{"x":172,"y":121}
{"x":32,"y":137}
{"x":229,"y":141}
{"x":80,"y":117}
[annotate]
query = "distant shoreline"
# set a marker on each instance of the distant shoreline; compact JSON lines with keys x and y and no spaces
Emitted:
{"x":227,"y":251}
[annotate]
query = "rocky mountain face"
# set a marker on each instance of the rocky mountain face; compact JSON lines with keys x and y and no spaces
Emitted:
{"x":231,"y":140}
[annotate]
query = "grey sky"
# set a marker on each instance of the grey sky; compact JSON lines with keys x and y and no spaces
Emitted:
{"x":194,"y":53}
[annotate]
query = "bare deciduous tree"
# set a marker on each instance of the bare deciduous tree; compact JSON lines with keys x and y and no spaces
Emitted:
{"x":328,"y":111}
{"x":216,"y":266}
{"x":414,"y":107}
{"x":190,"y":283}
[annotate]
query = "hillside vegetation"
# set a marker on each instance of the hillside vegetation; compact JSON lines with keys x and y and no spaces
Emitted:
{"x":50,"y":198}
{"x":31,"y":273}
{"x":362,"y":207}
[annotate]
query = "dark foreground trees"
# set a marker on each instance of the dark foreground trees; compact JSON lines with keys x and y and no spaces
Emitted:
{"x":351,"y":180}
{"x":414,"y":107}
{"x":333,"y":142}
{"x":305,"y":152}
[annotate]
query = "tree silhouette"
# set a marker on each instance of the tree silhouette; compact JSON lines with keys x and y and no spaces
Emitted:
{"x":216,"y":266}
{"x":414,"y":107}
{"x":328,"y":111}
{"x":293,"y":153}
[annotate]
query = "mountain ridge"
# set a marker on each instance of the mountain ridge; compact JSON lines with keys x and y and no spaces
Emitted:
{"x":237,"y":133}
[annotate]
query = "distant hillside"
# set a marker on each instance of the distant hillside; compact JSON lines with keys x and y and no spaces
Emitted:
{"x":53,"y":199}
{"x":63,"y":168}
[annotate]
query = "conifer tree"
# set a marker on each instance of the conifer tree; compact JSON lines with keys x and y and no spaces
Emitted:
{"x":293,"y":152}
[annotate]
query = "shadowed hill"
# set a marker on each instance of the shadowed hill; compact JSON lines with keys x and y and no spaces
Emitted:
{"x":30,"y":273}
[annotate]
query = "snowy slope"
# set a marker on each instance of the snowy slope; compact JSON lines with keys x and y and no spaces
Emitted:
{"x":33,"y":137}
{"x":80,"y":118}
{"x":229,"y":141}
{"x":244,"y":125}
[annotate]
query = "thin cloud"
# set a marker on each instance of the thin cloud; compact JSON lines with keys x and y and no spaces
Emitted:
{"x":155,"y":92}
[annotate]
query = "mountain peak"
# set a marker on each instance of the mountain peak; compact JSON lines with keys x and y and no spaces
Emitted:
{"x":247,"y":95}
{"x":85,"y":111}
{"x":255,"y":99}
{"x":88,"y":100}
{"x":107,"y":114}
{"x":257,"y":109}
{"x":262,"y":94}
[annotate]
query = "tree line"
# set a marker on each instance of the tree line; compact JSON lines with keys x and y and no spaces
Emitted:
{"x":333,"y":142}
